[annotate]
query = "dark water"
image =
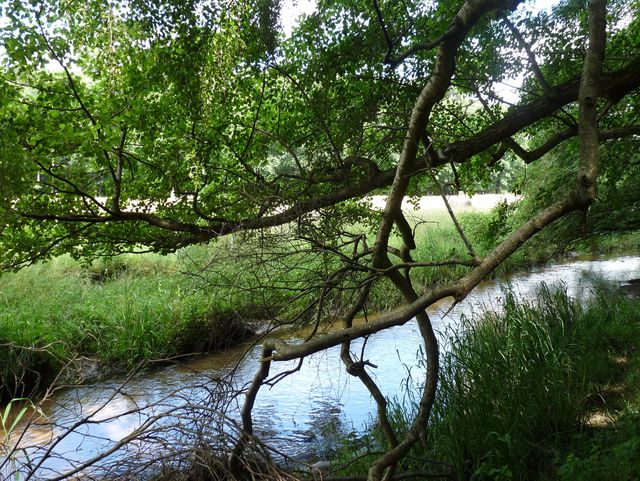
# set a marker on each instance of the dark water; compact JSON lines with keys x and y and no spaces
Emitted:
{"x":301,"y":415}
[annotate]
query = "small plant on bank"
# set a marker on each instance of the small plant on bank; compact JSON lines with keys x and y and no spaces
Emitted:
{"x":11,"y":416}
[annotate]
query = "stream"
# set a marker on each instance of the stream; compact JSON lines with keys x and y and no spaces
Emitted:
{"x":303,"y":415}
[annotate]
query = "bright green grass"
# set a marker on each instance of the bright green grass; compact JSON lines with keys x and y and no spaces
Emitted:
{"x":120,"y":312}
{"x":147,"y":307}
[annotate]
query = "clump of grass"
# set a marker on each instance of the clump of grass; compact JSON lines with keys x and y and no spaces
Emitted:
{"x":487,"y":229}
{"x":518,"y":386}
{"x":510,"y":385}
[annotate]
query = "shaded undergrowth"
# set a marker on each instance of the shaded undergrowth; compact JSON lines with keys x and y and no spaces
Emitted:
{"x":545,"y":390}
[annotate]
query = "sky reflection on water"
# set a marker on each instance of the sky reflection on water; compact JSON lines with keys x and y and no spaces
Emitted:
{"x":301,"y":415}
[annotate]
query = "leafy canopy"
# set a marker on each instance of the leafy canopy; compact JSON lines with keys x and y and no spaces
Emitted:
{"x":157,"y":124}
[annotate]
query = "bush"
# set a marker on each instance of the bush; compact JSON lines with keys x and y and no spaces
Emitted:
{"x":488,"y":229}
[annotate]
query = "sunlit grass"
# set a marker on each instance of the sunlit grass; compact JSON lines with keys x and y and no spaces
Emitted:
{"x":120,"y":313}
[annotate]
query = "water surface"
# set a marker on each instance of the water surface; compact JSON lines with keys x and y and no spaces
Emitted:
{"x":301,"y":415}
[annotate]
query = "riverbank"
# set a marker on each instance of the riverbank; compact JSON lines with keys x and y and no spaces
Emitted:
{"x":94,"y":320}
{"x":541,"y":391}
{"x":91,"y":321}
{"x":303,"y":416}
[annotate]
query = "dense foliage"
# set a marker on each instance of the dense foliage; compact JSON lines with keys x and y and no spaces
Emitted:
{"x":152,"y":125}
{"x":129,"y":125}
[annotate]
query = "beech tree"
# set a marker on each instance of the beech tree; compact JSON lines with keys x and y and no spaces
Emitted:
{"x":154,"y":125}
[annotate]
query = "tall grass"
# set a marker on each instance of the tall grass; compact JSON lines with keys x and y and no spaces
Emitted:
{"x":518,"y":386}
{"x":509,"y":386}
{"x":118,"y":312}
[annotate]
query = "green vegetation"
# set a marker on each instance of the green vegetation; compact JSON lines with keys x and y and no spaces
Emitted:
{"x":118,"y":312}
{"x":539,"y":391}
{"x":611,"y":223}
{"x":489,"y":229}
{"x":137,"y":308}
{"x":160,"y":125}
{"x":133,"y":308}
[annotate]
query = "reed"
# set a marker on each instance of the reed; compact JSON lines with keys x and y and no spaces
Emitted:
{"x":519,"y":388}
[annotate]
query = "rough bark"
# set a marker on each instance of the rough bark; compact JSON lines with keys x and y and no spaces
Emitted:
{"x":588,"y":102}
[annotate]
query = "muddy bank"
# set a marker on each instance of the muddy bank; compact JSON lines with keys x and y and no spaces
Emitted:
{"x":631,"y":287}
{"x":41,"y":369}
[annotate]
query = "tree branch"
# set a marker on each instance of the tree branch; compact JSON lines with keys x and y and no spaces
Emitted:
{"x":588,"y":101}
{"x":546,"y":87}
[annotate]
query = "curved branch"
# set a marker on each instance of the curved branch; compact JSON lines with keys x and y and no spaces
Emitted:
{"x":459,"y":21}
{"x":247,"y":419}
{"x":357,"y":369}
{"x":614,"y":84}
{"x":531,"y":156}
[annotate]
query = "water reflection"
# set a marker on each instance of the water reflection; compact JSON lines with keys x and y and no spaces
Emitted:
{"x":302,"y":415}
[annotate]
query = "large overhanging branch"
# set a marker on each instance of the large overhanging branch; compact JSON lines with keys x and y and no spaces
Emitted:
{"x":283,"y":351}
{"x":555,"y":140}
{"x":433,"y":92}
{"x":588,"y":102}
{"x":614,"y":84}
{"x":580,"y":198}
